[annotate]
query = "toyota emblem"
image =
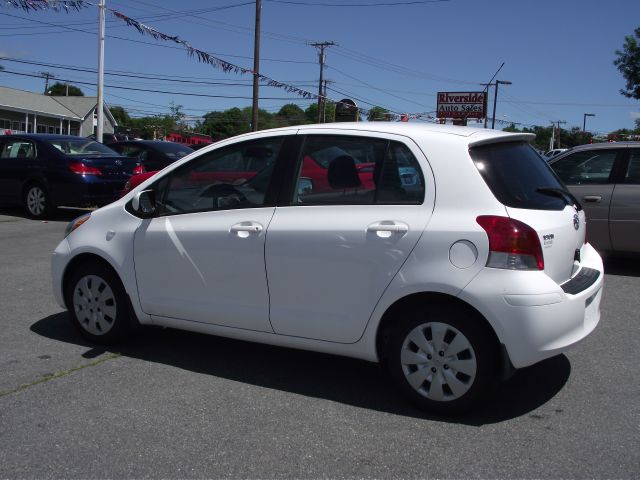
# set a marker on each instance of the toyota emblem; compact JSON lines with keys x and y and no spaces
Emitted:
{"x":576,"y":221}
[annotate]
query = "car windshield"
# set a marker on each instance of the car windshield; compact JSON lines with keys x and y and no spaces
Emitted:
{"x":172,"y":150}
{"x":81,"y":146}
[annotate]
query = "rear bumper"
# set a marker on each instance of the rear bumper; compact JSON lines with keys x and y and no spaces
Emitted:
{"x":533,"y":316}
{"x":88,"y":192}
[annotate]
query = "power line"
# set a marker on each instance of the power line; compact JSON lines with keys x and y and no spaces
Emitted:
{"x":127,"y":75}
{"x":142,"y":42}
{"x":379,"y":4}
{"x":238,"y":28}
{"x":160,"y":91}
{"x":379,"y":89}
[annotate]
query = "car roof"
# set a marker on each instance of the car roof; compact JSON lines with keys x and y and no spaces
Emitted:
{"x":596,"y":146}
{"x":148,"y":142}
{"x":469,"y":135}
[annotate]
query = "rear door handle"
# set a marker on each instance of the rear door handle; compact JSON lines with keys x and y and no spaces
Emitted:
{"x":247,"y":227}
{"x":391,"y":227}
{"x":592,"y":198}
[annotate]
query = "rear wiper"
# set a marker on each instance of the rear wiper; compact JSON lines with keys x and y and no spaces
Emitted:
{"x":566,"y":195}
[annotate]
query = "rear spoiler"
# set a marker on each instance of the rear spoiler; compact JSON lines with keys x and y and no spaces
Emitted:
{"x":511,"y":137}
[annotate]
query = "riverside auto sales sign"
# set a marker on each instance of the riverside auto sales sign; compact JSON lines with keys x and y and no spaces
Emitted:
{"x":462,"y":104}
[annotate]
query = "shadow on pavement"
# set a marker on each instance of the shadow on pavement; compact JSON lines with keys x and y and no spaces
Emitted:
{"x":345,"y":380}
{"x":64,"y":214}
{"x":626,"y":266}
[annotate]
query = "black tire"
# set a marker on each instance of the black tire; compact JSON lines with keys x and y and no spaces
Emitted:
{"x":98,"y":304}
{"x":37,"y":201}
{"x":446,"y":382}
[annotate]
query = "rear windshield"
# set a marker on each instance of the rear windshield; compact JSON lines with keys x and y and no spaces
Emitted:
{"x":81,"y":146}
{"x":515,"y":172}
{"x":173,"y":150}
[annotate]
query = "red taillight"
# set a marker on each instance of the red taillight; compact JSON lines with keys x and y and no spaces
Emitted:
{"x":82,"y":169}
{"x":512,"y":244}
{"x":139,"y":169}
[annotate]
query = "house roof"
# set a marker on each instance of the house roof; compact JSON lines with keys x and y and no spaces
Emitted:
{"x":74,"y":108}
{"x":23,"y":101}
{"x":81,"y":106}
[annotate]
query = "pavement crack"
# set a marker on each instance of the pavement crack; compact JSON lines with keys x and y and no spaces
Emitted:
{"x":62,"y":373}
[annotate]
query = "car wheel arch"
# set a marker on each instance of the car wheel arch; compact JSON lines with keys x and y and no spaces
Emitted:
{"x":421,"y":300}
{"x":84,"y":258}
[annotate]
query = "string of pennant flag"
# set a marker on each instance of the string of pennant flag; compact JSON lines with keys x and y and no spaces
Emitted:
{"x":202,"y":56}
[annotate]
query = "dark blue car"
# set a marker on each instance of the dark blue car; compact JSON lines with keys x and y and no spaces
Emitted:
{"x":42,"y":172}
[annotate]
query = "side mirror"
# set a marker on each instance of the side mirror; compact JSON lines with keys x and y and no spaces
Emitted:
{"x":144,"y":203}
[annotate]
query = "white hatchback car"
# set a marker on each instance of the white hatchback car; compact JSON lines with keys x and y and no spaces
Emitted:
{"x":450,"y":254}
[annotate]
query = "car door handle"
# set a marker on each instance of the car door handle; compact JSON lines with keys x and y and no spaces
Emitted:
{"x":393,"y":227}
{"x":250,"y":227}
{"x":592,"y":198}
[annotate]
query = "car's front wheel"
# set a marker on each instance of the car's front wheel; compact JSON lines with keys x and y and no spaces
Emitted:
{"x":443,"y":359}
{"x":97,"y":303}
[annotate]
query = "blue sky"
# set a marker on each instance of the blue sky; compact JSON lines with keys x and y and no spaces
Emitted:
{"x":557,"y":54}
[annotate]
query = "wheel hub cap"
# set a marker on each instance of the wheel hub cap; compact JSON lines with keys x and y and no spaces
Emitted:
{"x":438,"y":361}
{"x":35,"y":200}
{"x":94,"y":304}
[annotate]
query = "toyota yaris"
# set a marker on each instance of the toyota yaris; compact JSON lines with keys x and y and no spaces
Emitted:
{"x":476,"y":266}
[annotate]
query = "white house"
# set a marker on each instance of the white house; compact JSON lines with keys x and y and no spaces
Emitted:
{"x":22,"y":111}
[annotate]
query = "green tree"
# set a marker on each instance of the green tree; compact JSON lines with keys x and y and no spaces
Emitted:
{"x":226,"y":124}
{"x":177,"y":115}
{"x":60,"y":90}
{"x":121,"y":116}
{"x":311,"y":113}
{"x":291,"y":114}
{"x":628,"y":62}
{"x":378,"y":114}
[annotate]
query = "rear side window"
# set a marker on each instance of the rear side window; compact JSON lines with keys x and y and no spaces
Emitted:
{"x":18,"y":149}
{"x":633,"y":171}
{"x":515,"y":172}
{"x":346,"y":170}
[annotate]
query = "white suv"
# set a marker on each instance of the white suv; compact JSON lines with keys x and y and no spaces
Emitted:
{"x":450,"y":254}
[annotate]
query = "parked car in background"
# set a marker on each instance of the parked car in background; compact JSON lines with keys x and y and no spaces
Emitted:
{"x":448,"y":294}
{"x":153,"y":154}
{"x":113,"y":137}
{"x":605,"y":178}
{"x":552,"y":153}
{"x":43,"y":171}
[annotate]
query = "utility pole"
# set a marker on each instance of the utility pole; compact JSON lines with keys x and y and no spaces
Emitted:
{"x":584,"y":121}
{"x":324,"y":103}
{"x":558,"y":122}
{"x":47,"y":76}
{"x":321,"y":58}
{"x":495,"y":100}
{"x":100,"y":106}
{"x":256,"y":69}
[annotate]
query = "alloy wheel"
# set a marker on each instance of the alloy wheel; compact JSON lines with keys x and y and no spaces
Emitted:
{"x":36,"y":201}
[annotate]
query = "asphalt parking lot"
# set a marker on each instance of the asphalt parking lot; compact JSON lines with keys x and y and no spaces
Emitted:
{"x":175,"y":404}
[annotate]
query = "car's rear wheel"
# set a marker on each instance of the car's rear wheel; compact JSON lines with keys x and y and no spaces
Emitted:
{"x":97,"y":303}
{"x":443,"y":360}
{"x":37,"y":201}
